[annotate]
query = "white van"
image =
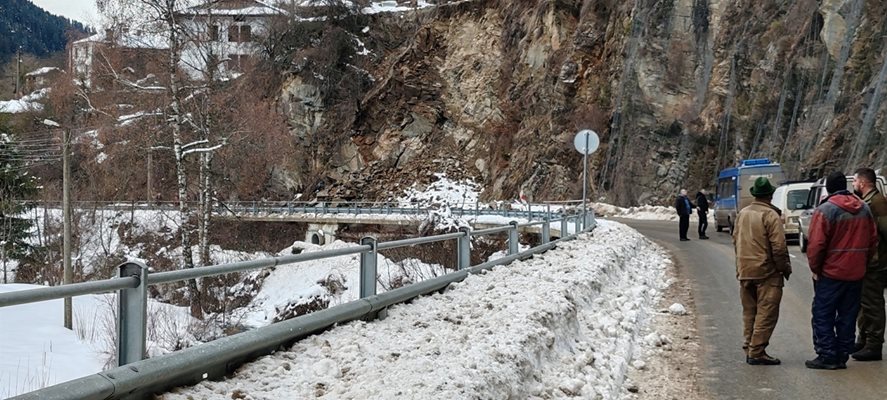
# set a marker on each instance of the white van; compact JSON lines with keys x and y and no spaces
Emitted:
{"x":791,"y":199}
{"x":816,"y":195}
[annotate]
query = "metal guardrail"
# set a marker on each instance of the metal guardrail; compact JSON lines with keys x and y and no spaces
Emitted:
{"x":136,"y":377}
{"x":533,"y":211}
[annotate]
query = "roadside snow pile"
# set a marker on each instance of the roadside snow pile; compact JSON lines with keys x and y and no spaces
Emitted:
{"x":563,"y":324}
{"x":659,"y":213}
{"x":37,"y":351}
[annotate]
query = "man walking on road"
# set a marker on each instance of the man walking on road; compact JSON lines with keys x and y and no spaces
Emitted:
{"x":872,"y":316}
{"x":842,"y":240}
{"x":702,"y":211}
{"x":762,"y":266}
{"x":684,"y":207}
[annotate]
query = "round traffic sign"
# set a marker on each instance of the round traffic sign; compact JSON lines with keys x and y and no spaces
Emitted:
{"x":586,"y":137}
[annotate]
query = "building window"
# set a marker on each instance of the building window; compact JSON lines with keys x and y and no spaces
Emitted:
{"x":238,"y":62}
{"x":240,"y":33}
{"x":246,"y":33}
{"x":214,"y":33}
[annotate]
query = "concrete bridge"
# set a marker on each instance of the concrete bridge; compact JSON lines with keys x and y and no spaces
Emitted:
{"x":325,"y":221}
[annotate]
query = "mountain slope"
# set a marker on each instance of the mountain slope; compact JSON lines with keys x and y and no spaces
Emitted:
{"x":37,"y":32}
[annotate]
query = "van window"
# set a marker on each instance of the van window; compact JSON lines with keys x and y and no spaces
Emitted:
{"x":796,"y":199}
{"x":813,"y":196}
{"x":726,"y":188}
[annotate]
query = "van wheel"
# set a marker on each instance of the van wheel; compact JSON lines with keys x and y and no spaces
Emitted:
{"x":719,"y":228}
{"x":802,"y":241}
{"x":730,"y":226}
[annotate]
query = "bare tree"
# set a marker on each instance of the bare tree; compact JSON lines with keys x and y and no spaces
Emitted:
{"x":199,"y":110}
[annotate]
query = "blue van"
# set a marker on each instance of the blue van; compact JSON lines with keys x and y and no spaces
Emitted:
{"x":732,"y":192}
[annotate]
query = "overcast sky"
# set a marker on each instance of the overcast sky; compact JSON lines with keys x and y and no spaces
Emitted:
{"x":81,"y":10}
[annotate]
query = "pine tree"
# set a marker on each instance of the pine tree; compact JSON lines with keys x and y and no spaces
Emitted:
{"x":16,"y":186}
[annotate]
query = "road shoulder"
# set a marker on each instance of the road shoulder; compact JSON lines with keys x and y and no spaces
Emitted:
{"x":670,"y":368}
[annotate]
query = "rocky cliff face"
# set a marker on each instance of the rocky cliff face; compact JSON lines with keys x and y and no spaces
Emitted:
{"x":677,"y":89}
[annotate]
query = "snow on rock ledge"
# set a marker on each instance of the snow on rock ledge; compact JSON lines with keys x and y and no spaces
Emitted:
{"x":566,"y":323}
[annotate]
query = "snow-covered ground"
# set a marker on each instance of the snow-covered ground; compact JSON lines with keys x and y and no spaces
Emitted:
{"x":563,"y":324}
{"x":25,"y":104}
{"x":570,"y":318}
{"x":37,"y":351}
{"x":659,"y":213}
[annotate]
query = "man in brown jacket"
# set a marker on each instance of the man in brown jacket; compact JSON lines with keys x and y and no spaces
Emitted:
{"x":762,"y":266}
{"x":872,"y":316}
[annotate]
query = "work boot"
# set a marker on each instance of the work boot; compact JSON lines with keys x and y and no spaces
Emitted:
{"x":703,"y":237}
{"x":821,"y":362}
{"x":762,"y":360}
{"x":857,"y":346}
{"x":868,"y":354}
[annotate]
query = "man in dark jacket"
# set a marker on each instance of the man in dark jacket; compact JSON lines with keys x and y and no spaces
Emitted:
{"x":842,"y":240}
{"x":762,"y":265}
{"x":872,"y":317}
{"x":702,"y":212}
{"x":684,"y":208}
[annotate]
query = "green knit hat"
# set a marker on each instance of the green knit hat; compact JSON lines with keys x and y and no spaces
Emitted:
{"x":762,"y":188}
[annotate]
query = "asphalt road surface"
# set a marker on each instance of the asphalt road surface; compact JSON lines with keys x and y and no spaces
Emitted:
{"x":709,"y":265}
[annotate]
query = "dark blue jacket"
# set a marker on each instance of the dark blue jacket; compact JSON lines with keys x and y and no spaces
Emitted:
{"x":683,"y":205}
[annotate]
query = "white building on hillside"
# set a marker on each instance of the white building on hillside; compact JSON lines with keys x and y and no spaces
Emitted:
{"x":224,"y":34}
{"x":219,"y":37}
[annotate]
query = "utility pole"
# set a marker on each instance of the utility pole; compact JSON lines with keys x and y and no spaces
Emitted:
{"x":68,"y":273}
{"x":66,"y":211}
{"x":18,"y":73}
{"x":150,"y":168}
{"x":3,"y":255}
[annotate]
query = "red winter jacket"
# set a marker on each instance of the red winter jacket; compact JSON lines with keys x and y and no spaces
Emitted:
{"x":843,"y":237}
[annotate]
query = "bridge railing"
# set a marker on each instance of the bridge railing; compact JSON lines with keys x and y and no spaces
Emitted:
{"x":530,"y":211}
{"x":136,"y":377}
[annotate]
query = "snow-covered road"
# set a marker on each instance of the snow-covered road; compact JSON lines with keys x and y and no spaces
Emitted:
{"x":563,"y":324}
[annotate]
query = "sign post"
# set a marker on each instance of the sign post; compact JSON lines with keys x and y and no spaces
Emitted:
{"x":586,"y":142}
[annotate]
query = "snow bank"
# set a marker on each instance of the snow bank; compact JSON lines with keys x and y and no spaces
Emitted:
{"x":563,"y":324}
{"x":37,"y":351}
{"x":648,"y":212}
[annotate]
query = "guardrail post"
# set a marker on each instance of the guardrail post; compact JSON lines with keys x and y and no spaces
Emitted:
{"x":368,"y":268}
{"x":512,"y":239}
{"x":546,"y":231}
{"x":564,"y":231}
{"x":464,"y":248}
{"x":132,"y":311}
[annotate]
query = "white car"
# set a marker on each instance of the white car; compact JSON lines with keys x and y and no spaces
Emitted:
{"x":816,"y":195}
{"x":791,"y":199}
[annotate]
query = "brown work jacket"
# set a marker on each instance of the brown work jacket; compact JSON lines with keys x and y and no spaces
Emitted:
{"x":759,"y":242}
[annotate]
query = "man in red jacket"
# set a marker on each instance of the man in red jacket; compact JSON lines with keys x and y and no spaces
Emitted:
{"x":843,"y":238}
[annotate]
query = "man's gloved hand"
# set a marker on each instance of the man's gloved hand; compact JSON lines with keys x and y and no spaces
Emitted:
{"x":786,"y":274}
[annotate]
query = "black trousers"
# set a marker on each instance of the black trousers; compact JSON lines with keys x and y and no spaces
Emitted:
{"x":703,"y":222}
{"x":684,"y":225}
{"x":835,"y":307}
